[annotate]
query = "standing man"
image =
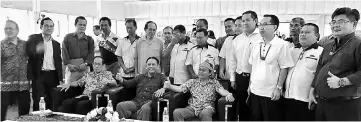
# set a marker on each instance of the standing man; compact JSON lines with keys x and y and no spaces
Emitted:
{"x":126,"y":50}
{"x":336,"y":87}
{"x":295,"y":28}
{"x":240,"y":69}
{"x":77,"y":45}
{"x":200,"y":53}
{"x":167,"y":34}
{"x":226,"y":49}
{"x":149,"y":46}
{"x":270,"y":59}
{"x":14,"y":81}
{"x":96,"y":30}
{"x":229,"y":32}
{"x":203,"y":24}
{"x":108,"y":42}
{"x":178,"y":50}
{"x":44,"y":64}
{"x":300,"y":77}
{"x":238,"y":26}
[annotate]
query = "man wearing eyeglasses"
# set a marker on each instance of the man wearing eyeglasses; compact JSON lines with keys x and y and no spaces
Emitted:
{"x":270,"y":59}
{"x":300,"y":77}
{"x":240,"y":69}
{"x":336,"y":87}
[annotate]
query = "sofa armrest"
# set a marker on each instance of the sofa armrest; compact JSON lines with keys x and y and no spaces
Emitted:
{"x":60,"y":96}
{"x":116,"y":94}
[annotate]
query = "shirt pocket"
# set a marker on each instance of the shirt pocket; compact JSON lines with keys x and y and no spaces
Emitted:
{"x":311,"y":62}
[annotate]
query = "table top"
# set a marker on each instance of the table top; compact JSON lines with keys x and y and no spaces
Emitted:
{"x":55,"y":116}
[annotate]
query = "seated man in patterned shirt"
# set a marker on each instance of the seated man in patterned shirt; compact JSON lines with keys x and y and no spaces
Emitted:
{"x":95,"y":80}
{"x":203,"y":95}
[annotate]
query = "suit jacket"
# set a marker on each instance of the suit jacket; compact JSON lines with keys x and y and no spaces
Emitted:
{"x":35,"y":61}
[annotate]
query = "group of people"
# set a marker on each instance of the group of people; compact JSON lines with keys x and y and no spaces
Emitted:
{"x":271,"y":79}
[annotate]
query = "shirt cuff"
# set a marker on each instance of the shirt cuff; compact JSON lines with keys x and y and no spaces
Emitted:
{"x":354,"y":79}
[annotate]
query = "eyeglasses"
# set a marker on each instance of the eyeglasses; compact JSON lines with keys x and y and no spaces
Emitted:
{"x":10,"y":29}
{"x":339,"y":22}
{"x":264,"y":24}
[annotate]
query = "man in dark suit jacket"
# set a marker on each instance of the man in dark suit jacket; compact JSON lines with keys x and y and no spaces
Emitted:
{"x":44,"y":64}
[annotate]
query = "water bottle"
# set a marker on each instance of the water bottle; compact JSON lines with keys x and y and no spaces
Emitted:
{"x":110,"y":106}
{"x":42,"y":106}
{"x":165,"y":115}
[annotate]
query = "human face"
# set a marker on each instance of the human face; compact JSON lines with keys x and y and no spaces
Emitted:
{"x":204,"y":73}
{"x":266,"y":28}
{"x":104,"y":26}
{"x":48,"y":27}
{"x":308,"y":36}
{"x":96,"y":32}
{"x":342,"y":26}
{"x":238,"y":27}
{"x":249,"y":24}
{"x":152,"y":66}
{"x":295,"y":27}
{"x":201,"y":38}
{"x":200,"y":24}
{"x":130,"y":28}
{"x":229,"y":26}
{"x":81,"y":26}
{"x":167,"y":34}
{"x":151,"y":30}
{"x":294,"y":36}
{"x":10,"y":30}
{"x":98,"y":65}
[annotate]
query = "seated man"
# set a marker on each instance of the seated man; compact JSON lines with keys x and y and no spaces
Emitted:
{"x":146,"y":85}
{"x":96,"y":80}
{"x":203,"y":95}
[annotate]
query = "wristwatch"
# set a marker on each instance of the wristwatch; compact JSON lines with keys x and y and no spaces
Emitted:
{"x":342,"y":82}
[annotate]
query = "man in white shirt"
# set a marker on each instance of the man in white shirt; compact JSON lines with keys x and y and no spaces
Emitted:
{"x":300,"y":77}
{"x":178,"y":50}
{"x":240,"y":69}
{"x":203,"y":24}
{"x":225,"y":50}
{"x":270,"y":59}
{"x":126,"y":50}
{"x":201,"y":53}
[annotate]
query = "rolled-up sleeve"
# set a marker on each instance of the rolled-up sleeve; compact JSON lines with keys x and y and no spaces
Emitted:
{"x":285,"y":58}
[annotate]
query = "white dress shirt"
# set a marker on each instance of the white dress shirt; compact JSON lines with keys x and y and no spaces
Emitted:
{"x":265,"y":73}
{"x":300,"y":77}
{"x":48,"y":62}
{"x":126,"y":50}
{"x":199,"y":55}
{"x":178,"y":69}
{"x":226,"y":52}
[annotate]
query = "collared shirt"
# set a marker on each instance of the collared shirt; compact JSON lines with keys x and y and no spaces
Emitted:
{"x":209,"y":41}
{"x":74,"y":48}
{"x":226,"y":52}
{"x":346,"y":62}
{"x":326,"y":40}
{"x":48,"y":63}
{"x":126,"y":50}
{"x":107,"y":47}
{"x":300,"y":77}
{"x":203,"y":94}
{"x":178,"y":69}
{"x":95,"y":81}
{"x":14,"y":66}
{"x":148,"y":48}
{"x":241,"y":51}
{"x":198,"y":55}
{"x":265,"y":73}
{"x":145,"y":87}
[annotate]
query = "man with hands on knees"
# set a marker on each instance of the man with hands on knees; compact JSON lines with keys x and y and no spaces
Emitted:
{"x":146,"y":85}
{"x":203,"y":94}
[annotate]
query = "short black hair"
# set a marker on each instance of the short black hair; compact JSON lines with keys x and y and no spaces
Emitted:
{"x":299,"y":19}
{"x":204,"y":31}
{"x":194,"y":29}
{"x":77,"y":19}
{"x":156,"y":59}
{"x":131,"y":21}
{"x":12,"y":21}
{"x":253,"y":14}
{"x":99,"y":57}
{"x":352,"y":14}
{"x":204,"y":21}
{"x":42,"y":21}
{"x":211,"y":34}
{"x":229,"y":19}
{"x":146,"y":25}
{"x":106,"y":19}
{"x":239,"y":17}
{"x":274,"y":19}
{"x":180,"y":28}
{"x":315,"y":28}
{"x":97,"y":27}
{"x":168,"y":27}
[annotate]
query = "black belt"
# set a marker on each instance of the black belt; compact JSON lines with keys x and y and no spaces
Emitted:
{"x":343,"y":98}
{"x":245,"y":74}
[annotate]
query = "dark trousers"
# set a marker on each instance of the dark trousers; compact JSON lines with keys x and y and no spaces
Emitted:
{"x":338,"y":110}
{"x":242,"y":83}
{"x":22,"y":97}
{"x":296,"y":110}
{"x":76,"y":105}
{"x":42,"y":88}
{"x":264,"y":109}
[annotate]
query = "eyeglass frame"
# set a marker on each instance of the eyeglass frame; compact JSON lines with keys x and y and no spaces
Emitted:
{"x":339,"y":22}
{"x":262,"y":25}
